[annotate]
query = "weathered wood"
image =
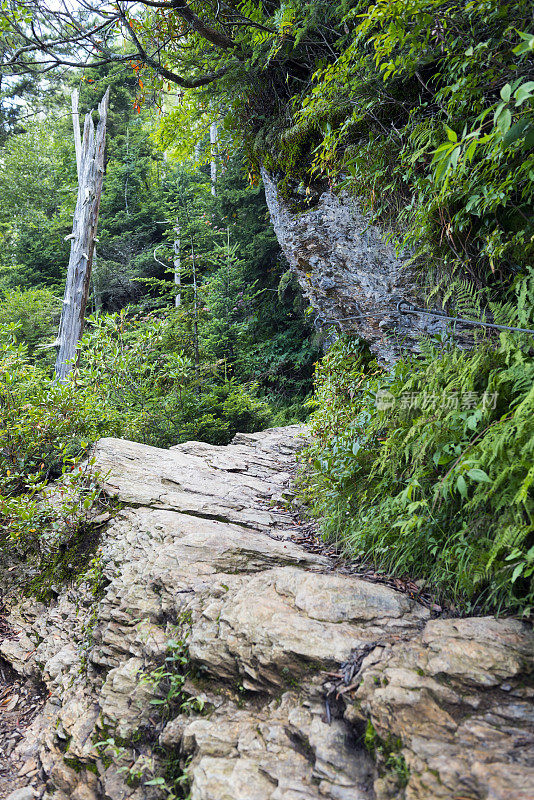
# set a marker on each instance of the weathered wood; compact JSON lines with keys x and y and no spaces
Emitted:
{"x":90,"y":179}
{"x":76,"y":129}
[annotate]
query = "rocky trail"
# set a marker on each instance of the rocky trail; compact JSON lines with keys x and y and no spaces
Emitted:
{"x":209,"y":654}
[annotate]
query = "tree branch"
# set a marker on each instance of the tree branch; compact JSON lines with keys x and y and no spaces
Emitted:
{"x":183,"y":10}
{"x":34,"y":40}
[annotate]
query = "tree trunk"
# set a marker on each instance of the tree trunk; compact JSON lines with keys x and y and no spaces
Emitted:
{"x":90,"y":179}
{"x":177,"y":267}
{"x":76,"y":128}
{"x":195,"y":318}
{"x":213,"y":155}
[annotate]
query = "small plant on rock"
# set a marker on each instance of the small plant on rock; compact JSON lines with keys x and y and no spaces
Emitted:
{"x":169,"y":680}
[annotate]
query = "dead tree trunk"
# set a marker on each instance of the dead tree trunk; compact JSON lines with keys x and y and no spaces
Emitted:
{"x":90,"y":179}
{"x":76,"y":129}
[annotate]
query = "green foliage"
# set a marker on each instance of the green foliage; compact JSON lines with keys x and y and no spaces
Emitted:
{"x":436,"y":130}
{"x":144,"y":373}
{"x":423,"y":109}
{"x":386,"y":753}
{"x":37,"y":185}
{"x":169,"y":678}
{"x":427,"y":471}
{"x":34,"y":315}
{"x":45,"y":432}
{"x":274,"y":343}
{"x":41,"y":423}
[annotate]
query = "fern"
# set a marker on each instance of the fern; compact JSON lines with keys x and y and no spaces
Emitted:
{"x":465,"y":298}
{"x":443,"y":492}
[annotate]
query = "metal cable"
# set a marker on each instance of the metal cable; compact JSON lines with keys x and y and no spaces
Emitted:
{"x":322,"y":321}
{"x":405,"y":308}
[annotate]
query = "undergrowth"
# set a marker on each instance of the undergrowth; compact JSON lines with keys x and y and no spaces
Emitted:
{"x":49,"y":491}
{"x":428,"y":470}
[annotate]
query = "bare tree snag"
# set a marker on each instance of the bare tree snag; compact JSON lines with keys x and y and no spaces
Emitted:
{"x":78,"y":149}
{"x":76,"y":128}
{"x":90,"y":179}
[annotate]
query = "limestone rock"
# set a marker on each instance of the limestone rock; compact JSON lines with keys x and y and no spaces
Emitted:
{"x":199,"y":556}
{"x":457,"y":697}
{"x":199,"y":484}
{"x":282,"y":622}
{"x":282,"y":751}
{"x":27,"y":793}
{"x":125,"y":699}
{"x":350,"y":273}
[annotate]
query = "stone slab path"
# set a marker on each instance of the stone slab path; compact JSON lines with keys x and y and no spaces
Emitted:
{"x":207,"y":645}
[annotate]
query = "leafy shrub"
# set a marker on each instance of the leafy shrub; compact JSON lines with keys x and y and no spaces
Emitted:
{"x":35,"y":312}
{"x":46,"y":429}
{"x":437,"y":483}
{"x":145,"y":375}
{"x":41,"y":423}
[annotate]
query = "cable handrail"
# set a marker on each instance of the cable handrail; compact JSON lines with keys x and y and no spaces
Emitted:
{"x":405,"y":308}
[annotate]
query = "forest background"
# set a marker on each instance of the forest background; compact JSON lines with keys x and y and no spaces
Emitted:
{"x":423,"y":110}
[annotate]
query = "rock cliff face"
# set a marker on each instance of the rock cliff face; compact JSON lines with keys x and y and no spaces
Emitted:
{"x":350,"y":274}
{"x":207,"y":643}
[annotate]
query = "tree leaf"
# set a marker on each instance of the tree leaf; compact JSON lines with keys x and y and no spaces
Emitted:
{"x":524,"y":92}
{"x":504,"y":121}
{"x":506,"y":92}
{"x":478,"y":475}
{"x":461,"y":485}
{"x":515,"y":132}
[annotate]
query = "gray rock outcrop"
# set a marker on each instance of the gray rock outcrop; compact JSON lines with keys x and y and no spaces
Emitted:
{"x":351,"y":274}
{"x":205,"y":641}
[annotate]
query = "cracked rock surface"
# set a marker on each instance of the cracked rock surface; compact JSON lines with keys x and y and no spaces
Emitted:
{"x":199,"y":554}
{"x":351,"y":274}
